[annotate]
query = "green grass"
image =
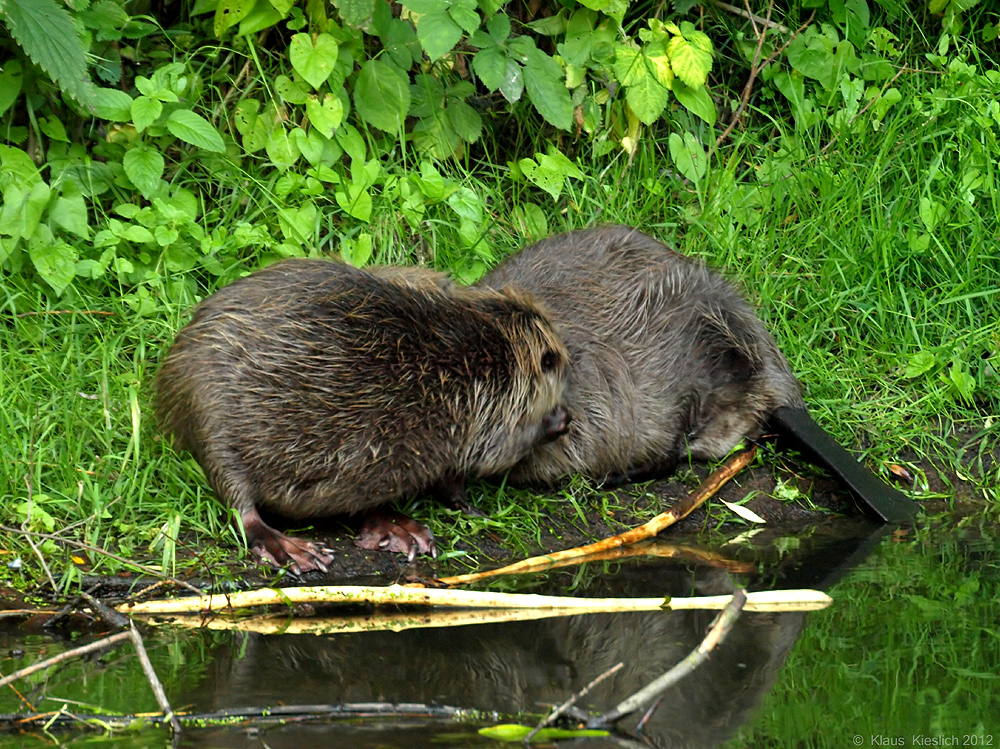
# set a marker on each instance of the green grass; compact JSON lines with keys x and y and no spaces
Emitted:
{"x":856,"y":279}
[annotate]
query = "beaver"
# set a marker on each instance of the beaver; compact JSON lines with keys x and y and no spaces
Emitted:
{"x":312,"y":388}
{"x":667,"y":359}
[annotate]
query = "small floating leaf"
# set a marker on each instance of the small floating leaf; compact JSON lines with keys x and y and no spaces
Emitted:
{"x":514,"y":732}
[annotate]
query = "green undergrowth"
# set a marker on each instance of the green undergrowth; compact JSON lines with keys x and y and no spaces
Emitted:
{"x":862,"y":225}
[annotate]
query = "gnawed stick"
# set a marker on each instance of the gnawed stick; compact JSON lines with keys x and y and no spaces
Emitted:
{"x":777,"y":600}
{"x":664,"y":520}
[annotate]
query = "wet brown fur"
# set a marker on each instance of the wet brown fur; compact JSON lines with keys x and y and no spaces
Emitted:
{"x":665,"y":356}
{"x":312,"y":388}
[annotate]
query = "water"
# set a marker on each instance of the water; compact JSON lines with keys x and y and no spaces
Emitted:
{"x":909,"y":652}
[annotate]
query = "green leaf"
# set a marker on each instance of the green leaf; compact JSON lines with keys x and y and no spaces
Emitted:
{"x":11,"y":79}
{"x":196,"y":130}
{"x":22,"y":210}
{"x":543,"y":79}
{"x":689,"y":156}
{"x":932,"y":213}
{"x":658,"y":63}
{"x":467,"y":205}
{"x":532,"y":221}
{"x":55,"y":263}
{"x":920,"y":363}
{"x":356,"y":202}
{"x":314,"y":62}
{"x":112,"y":104}
{"x":144,"y":112}
{"x":326,"y":116}
{"x":355,"y":12}
{"x":630,"y":68}
{"x":382,"y":95}
{"x":357,"y":251}
{"x":69,"y":211}
{"x":465,"y":16}
{"x":228,"y":13}
{"x":465,"y":121}
{"x":689,"y":58}
{"x":696,"y":100}
{"x":438,"y":34}
{"x":47,"y":33}
{"x":262,"y":16}
{"x":293,"y":92}
{"x":144,"y":167}
{"x":647,"y":99}
{"x":281,"y":149}
{"x":489,"y":64}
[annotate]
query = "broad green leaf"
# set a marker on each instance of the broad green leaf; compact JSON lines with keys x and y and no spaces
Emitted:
{"x":629,"y":65}
{"x":689,"y":59}
{"x":382,"y":95}
{"x":145,"y":111}
{"x":402,"y":45}
{"x":689,"y":156}
{"x":47,"y":33}
{"x":543,"y":79}
{"x":532,"y":221}
{"x":245,"y":115}
{"x":512,"y":85}
{"x":931,"y":213}
{"x":69,"y":211}
{"x":352,"y":142}
{"x":55,"y":263}
{"x":11,"y":78}
{"x":438,"y":34}
{"x":696,"y":100}
{"x":179,"y":257}
{"x":465,"y":16}
{"x":659,"y":63}
{"x":326,"y":116}
{"x":194,"y":129}
{"x":262,"y":16}
{"x":355,"y":12}
{"x":139,"y":235}
{"x":165,"y":235}
{"x":22,"y":209}
{"x":355,"y":202}
{"x":647,"y":99}
{"x":467,"y":205}
{"x":423,"y":7}
{"x":228,"y":13}
{"x":281,"y":149}
{"x":314,"y":62}
{"x":489,"y":64}
{"x":293,"y":92}
{"x":144,"y":167}
{"x":963,"y":384}
{"x":465,"y":121}
{"x":112,"y":104}
{"x":550,"y":180}
{"x":920,"y":363}
{"x":357,"y":251}
{"x":498,"y":26}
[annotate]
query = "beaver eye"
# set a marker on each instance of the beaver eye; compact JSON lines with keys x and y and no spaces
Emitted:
{"x":550,"y":360}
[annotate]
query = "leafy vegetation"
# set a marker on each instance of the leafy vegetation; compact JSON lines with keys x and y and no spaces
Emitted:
{"x":838,"y":159}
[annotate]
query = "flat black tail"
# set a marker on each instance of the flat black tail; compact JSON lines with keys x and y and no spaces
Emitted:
{"x":877,"y":498}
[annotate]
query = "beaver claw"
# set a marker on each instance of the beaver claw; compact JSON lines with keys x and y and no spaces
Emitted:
{"x":387,"y":530}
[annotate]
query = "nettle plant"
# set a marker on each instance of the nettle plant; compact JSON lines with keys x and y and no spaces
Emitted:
{"x":328,"y":104}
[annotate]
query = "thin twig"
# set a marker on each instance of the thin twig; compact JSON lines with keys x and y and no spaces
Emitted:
{"x":154,"y":682}
{"x":107,"y":642}
{"x":572,"y":701}
{"x":755,"y":71}
{"x":721,"y":627}
{"x":748,"y":15}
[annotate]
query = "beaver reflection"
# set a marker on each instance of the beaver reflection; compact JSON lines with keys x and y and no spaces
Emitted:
{"x":515,"y":668}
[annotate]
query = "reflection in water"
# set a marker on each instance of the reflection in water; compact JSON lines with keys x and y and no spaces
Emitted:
{"x":514,"y":668}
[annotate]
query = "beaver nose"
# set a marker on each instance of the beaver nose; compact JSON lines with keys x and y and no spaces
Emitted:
{"x":556,"y":422}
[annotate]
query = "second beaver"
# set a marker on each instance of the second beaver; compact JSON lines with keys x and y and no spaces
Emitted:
{"x":666,"y":359}
{"x":311,"y":388}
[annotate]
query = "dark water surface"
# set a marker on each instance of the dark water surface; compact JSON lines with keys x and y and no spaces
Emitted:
{"x":908,"y":654}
